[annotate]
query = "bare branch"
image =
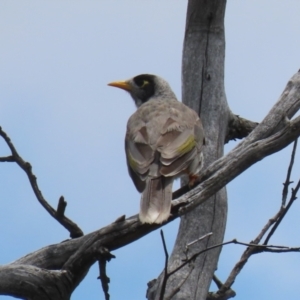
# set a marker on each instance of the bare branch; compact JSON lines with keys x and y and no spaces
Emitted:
{"x":288,"y":176}
{"x":227,"y":295}
{"x":194,"y":256}
{"x":225,"y":291}
{"x":235,"y":162}
{"x":15,"y":282}
{"x":166,"y":275}
{"x":283,"y":212}
{"x":254,"y":247}
{"x":105,"y":280}
{"x":284,"y":209}
{"x":238,"y":127}
{"x":216,"y":296}
{"x":244,"y":258}
{"x":74,"y":230}
{"x":61,"y":207}
{"x":228,"y":292}
{"x":7,"y":159}
{"x":267,"y":248}
{"x":197,"y":240}
{"x":217,"y":281}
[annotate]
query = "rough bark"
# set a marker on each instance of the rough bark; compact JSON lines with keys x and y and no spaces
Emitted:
{"x":238,"y":127}
{"x":202,"y":90}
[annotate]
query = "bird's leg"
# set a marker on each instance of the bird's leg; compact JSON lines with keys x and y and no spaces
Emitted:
{"x":193,"y":179}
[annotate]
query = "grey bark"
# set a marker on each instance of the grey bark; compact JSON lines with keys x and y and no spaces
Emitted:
{"x":238,"y":128}
{"x":202,"y":90}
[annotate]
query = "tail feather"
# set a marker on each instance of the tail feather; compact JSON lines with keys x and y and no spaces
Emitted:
{"x":156,"y":200}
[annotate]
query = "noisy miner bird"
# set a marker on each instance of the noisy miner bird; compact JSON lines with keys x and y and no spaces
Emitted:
{"x":164,"y":140}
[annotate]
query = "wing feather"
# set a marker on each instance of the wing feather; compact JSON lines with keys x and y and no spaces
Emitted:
{"x":179,"y":146}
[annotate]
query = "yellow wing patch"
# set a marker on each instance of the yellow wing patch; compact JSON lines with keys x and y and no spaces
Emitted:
{"x":132,"y":163}
{"x":187,"y":146}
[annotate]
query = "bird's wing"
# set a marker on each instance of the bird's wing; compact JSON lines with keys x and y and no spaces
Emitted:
{"x":139,"y":156}
{"x":179,"y":143}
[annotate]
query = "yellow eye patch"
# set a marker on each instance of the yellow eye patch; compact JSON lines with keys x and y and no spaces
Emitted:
{"x":145,"y":82}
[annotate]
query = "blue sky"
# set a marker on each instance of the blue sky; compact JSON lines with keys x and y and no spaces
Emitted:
{"x":56,"y":58}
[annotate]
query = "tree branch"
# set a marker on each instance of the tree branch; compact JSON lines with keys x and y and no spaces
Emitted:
{"x":105,"y":280}
{"x":15,"y":282}
{"x":283,"y":212}
{"x":166,"y":275}
{"x":254,"y":247}
{"x":74,"y":230}
{"x":238,"y":127}
{"x":273,"y":134}
{"x":288,"y":175}
{"x":7,"y":159}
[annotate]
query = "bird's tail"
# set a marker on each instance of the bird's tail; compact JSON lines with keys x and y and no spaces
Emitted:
{"x":156,"y":200}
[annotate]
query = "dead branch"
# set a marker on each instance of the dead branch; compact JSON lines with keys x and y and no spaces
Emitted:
{"x":213,"y":296}
{"x":238,"y":127}
{"x":254,"y":247}
{"x":288,"y":175}
{"x":283,"y":212}
{"x":105,"y":280}
{"x":58,"y":215}
{"x":166,"y":275}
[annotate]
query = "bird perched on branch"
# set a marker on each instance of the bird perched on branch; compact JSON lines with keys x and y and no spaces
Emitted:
{"x":164,"y":140}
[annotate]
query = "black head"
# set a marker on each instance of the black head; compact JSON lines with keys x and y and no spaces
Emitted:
{"x":144,"y":87}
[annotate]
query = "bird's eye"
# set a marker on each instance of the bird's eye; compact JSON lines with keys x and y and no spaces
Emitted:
{"x":141,"y":83}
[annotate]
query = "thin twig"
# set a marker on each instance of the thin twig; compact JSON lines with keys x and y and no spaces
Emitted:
{"x":252,"y":249}
{"x":7,"y":159}
{"x":215,"y":295}
{"x":162,"y":295}
{"x":268,"y":248}
{"x":217,"y":281}
{"x":166,"y":275}
{"x":105,"y":256}
{"x":61,"y":207}
{"x":197,"y":240}
{"x":262,"y":248}
{"x":103,"y":277}
{"x":255,"y":248}
{"x":288,"y":176}
{"x":74,"y":230}
{"x":283,"y":213}
{"x":270,"y":222}
{"x":194,"y":256}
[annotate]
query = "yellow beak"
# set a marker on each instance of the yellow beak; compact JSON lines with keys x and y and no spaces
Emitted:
{"x":121,"y":84}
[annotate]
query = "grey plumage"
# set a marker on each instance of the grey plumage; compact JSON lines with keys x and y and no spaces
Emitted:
{"x":164,"y":140}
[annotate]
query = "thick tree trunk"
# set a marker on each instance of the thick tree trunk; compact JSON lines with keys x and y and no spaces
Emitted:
{"x":202,"y":90}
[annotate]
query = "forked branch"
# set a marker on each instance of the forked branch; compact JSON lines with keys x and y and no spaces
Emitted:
{"x":254,"y":247}
{"x":58,"y":215}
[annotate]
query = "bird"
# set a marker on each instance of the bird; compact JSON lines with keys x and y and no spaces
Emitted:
{"x":164,"y":140}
